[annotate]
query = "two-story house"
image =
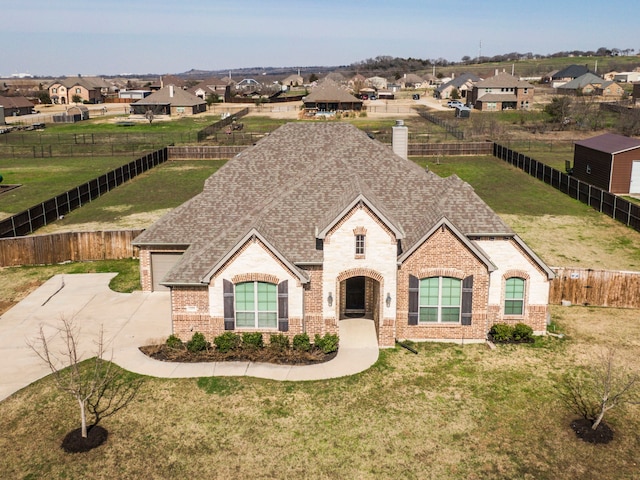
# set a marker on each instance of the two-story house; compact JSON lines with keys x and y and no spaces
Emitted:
{"x":502,"y":92}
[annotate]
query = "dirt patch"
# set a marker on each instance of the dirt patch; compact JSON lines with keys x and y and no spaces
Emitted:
{"x":74,"y":442}
{"x":582,"y":427}
{"x":260,"y":355}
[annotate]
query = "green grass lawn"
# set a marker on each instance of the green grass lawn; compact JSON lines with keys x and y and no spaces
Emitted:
{"x":44,"y":178}
{"x":449,"y":412}
{"x":159,"y":189}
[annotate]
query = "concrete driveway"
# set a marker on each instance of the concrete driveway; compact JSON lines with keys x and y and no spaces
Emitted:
{"x":131,"y":320}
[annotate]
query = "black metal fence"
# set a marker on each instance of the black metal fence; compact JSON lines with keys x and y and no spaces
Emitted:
{"x":601,"y":200}
{"x":28,"y":221}
{"x":454,"y":131}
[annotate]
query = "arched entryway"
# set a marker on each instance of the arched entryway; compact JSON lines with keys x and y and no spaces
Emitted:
{"x":359,"y":296}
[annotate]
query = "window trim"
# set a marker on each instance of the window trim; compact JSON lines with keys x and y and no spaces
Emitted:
{"x":256,"y":311}
{"x":513,"y":301}
{"x":440,"y":306}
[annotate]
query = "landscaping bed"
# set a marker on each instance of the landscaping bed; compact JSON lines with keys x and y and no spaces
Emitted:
{"x":246,"y":347}
{"x":262,"y":355}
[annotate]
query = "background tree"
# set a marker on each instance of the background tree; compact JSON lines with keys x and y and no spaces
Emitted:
{"x":76,"y":98}
{"x":149,"y":115}
{"x":559,"y":110}
{"x":97,"y":385}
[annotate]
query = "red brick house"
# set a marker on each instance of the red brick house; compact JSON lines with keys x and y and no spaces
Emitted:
{"x":610,"y":162}
{"x":317,"y":223}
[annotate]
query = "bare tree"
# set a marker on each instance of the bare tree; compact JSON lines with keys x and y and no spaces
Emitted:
{"x":594,"y":391}
{"x":149,"y":115}
{"x":99,"y":388}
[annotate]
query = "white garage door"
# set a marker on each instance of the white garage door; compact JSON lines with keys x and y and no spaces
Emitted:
{"x":161,"y":263}
{"x":634,"y":187}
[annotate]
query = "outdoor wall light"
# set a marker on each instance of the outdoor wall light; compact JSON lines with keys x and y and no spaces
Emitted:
{"x":388,"y":300}
{"x":330,"y":299}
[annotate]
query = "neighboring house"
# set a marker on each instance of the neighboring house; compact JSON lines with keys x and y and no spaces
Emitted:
{"x":134,"y":94}
{"x":610,"y":162}
{"x":294,"y":80}
{"x":317,"y":222}
{"x":567,"y":74}
{"x":627,"y":77}
{"x":329,"y":97}
{"x":463,"y":84}
{"x":84,"y":89}
{"x":502,"y":92}
{"x":411,"y":80}
{"x":248,"y":84}
{"x":170,"y":100}
{"x":379,"y":83}
{"x":591,"y":84}
{"x":211,"y":86}
{"x":14,"y":106}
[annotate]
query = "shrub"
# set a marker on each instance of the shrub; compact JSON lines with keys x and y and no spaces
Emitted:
{"x":501,"y":332}
{"x":301,"y":342}
{"x":197,"y":343}
{"x":174,"y":342}
{"x":252,"y":340}
{"x":328,"y":343}
{"x":522,"y":332}
{"x":227,"y":341}
{"x":279,"y":342}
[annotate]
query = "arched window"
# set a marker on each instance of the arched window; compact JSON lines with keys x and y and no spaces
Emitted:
{"x":440,"y":300}
{"x":256,"y":305}
{"x":514,"y":296}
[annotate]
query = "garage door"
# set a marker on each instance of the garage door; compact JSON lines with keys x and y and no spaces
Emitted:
{"x":161,"y":263}
{"x":634,"y":187}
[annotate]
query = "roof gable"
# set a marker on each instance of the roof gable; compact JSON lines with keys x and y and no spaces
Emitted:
{"x":445,"y":223}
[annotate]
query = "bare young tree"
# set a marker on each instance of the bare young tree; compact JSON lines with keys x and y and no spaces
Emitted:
{"x":149,"y":115}
{"x":594,"y":391}
{"x":98,"y":386}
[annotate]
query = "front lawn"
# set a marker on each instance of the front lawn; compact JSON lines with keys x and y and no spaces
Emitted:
{"x":450,"y":412}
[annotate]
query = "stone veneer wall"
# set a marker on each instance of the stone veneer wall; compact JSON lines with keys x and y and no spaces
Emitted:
{"x":443,"y":248}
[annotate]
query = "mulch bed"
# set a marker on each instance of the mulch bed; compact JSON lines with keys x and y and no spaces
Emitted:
{"x":493,"y":340}
{"x":582,"y":427}
{"x":263,"y":355}
{"x":74,"y":442}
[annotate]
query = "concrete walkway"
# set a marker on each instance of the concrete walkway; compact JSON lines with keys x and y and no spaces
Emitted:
{"x":132,"y":320}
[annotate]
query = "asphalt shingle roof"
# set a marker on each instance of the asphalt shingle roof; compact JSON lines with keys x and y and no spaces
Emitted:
{"x":180,"y":98}
{"x":294,"y":182}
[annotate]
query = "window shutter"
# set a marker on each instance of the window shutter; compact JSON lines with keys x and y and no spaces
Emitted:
{"x":283,"y":306}
{"x":229,"y":314}
{"x":467,"y":300}
{"x":414,"y":292}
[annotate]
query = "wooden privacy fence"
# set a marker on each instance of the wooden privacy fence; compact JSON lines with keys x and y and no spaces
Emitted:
{"x":467,"y":148}
{"x":603,"y":288}
{"x":601,"y":200}
{"x":204,"y":152}
{"x":50,"y":210}
{"x":68,"y":246}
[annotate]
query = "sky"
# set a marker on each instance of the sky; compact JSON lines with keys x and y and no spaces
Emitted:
{"x":110,"y":37}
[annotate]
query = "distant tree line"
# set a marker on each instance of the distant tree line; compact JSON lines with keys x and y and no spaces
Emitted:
{"x":386,"y":63}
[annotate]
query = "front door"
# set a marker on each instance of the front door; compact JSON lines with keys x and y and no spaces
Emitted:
{"x":355,"y":297}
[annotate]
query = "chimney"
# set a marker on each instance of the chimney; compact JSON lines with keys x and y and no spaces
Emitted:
{"x":171,"y":91}
{"x":400,"y":139}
